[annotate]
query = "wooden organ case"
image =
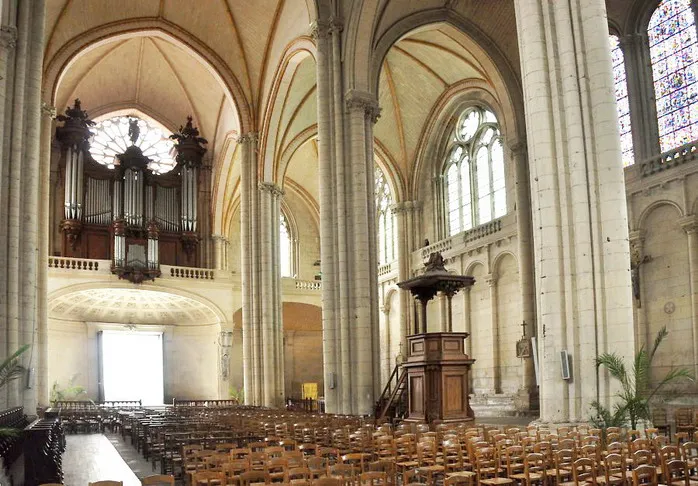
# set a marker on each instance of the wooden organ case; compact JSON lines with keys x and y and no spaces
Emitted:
{"x":124,"y":210}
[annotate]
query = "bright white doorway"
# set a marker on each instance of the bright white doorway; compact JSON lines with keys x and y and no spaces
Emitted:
{"x":132,"y":366}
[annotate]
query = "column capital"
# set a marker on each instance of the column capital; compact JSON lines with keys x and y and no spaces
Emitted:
{"x":8,"y":37}
{"x":631,"y":40}
{"x":221,"y":238}
{"x":250,"y":137}
{"x":356,"y":100}
{"x":689,"y":224}
{"x":320,"y":29}
{"x":336,"y":25}
{"x":273,"y":189}
{"x":406,"y":207}
{"x":491,"y":279}
{"x":48,"y":110}
{"x":636,"y":236}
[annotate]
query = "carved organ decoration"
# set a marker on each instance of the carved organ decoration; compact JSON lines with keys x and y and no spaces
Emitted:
{"x":131,"y":192}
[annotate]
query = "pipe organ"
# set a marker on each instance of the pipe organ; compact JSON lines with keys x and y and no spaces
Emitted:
{"x":120,"y":201}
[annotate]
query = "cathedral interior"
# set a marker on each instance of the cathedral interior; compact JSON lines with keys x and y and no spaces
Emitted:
{"x":225,"y":202}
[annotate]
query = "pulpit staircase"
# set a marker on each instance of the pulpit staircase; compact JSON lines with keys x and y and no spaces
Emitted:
{"x":392,"y":403}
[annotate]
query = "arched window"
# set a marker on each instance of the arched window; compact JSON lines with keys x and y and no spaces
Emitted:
{"x":620,"y":84}
{"x":474,"y":172}
{"x":285,"y":248}
{"x":674,"y":54}
{"x":385,"y":219}
{"x":111,"y":137}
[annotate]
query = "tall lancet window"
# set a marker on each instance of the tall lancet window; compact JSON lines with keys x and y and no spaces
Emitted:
{"x":620,"y":84}
{"x":385,"y":219}
{"x":475,"y":190}
{"x":285,"y":248}
{"x":674,"y":54}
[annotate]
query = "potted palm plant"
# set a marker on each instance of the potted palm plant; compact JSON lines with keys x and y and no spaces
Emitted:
{"x":636,"y":391}
{"x":10,"y":370}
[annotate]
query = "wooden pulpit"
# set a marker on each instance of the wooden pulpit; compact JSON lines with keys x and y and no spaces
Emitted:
{"x":438,"y":377}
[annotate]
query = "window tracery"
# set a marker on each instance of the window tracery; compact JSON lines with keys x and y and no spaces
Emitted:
{"x":285,"y":248}
{"x":385,"y":218}
{"x":112,"y":136}
{"x":673,"y":46}
{"x":474,"y":172}
{"x":620,"y":84}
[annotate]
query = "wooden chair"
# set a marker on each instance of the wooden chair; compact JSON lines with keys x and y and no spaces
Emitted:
{"x":298,"y":475}
{"x":614,"y":471}
{"x":317,"y":467}
{"x":564,"y":463}
{"x":211,"y":478}
{"x":677,"y":474}
{"x":328,"y":482}
{"x":158,"y":480}
{"x":584,"y":471}
{"x":488,"y":469}
{"x":645,"y":474}
{"x":386,"y":466}
{"x":254,"y":477}
{"x":683,"y":418}
{"x":457,"y":478}
{"x":373,"y":478}
{"x":107,"y":483}
{"x":234,"y":469}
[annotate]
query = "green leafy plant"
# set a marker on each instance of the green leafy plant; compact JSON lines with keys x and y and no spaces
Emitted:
{"x":636,"y":391}
{"x":10,"y":370}
{"x":237,"y":394}
{"x":70,"y":392}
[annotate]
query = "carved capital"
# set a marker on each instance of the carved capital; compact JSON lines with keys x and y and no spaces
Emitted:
{"x":219,"y":238}
{"x":336,"y":25}
{"x":251,"y":137}
{"x":406,"y":207}
{"x":518,"y":148}
{"x":8,"y":37}
{"x":362,"y":101}
{"x":491,"y":279}
{"x":689,"y":224}
{"x":631,"y":40}
{"x":48,"y":110}
{"x":319,"y":29}
{"x":271,"y":188}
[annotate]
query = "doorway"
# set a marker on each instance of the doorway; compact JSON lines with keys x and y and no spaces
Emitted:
{"x":132,"y":366}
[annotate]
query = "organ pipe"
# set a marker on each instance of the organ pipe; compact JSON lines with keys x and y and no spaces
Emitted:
{"x":190,"y":152}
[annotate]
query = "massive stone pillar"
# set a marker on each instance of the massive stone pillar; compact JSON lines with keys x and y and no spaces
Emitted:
{"x":249,"y":263}
{"x":580,"y":225}
{"x":347,"y":235}
{"x":406,"y":213}
{"x":21,"y":58}
{"x":270,"y":296}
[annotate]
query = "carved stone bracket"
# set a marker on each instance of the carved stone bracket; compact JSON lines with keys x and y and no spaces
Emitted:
{"x":406,"y":207}
{"x":190,"y":241}
{"x":689,"y":224}
{"x":362,"y":101}
{"x":319,"y":29}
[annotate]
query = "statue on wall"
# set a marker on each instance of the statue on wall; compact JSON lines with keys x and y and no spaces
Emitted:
{"x":637,"y":259}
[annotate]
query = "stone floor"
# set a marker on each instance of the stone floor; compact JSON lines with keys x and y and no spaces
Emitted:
{"x":93,"y":457}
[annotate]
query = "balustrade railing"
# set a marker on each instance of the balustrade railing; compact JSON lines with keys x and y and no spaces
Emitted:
{"x":194,"y":273}
{"x":309,"y":284}
{"x":385,"y":269}
{"x":667,"y":160}
{"x":73,"y":263}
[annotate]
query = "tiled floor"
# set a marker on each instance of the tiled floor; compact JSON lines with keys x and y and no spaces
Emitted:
{"x":92,"y":458}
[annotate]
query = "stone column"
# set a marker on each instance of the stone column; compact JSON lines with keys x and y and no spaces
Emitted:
{"x":404,"y":214}
{"x":638,"y":71}
{"x":328,"y":261}
{"x":49,"y":113}
{"x":491,"y":280}
{"x":270,"y":295}
{"x":466,"y":321}
{"x":578,"y":200}
{"x":442,"y":299}
{"x":526,"y":279}
{"x":220,"y":252}
{"x":249,"y":266}
{"x":690,"y":226}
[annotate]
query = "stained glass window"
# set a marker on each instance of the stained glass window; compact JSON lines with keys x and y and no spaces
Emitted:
{"x":111,"y":137}
{"x":620,"y":84}
{"x":285,"y":248}
{"x":385,"y":219}
{"x":673,"y":54}
{"x":475,"y":190}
